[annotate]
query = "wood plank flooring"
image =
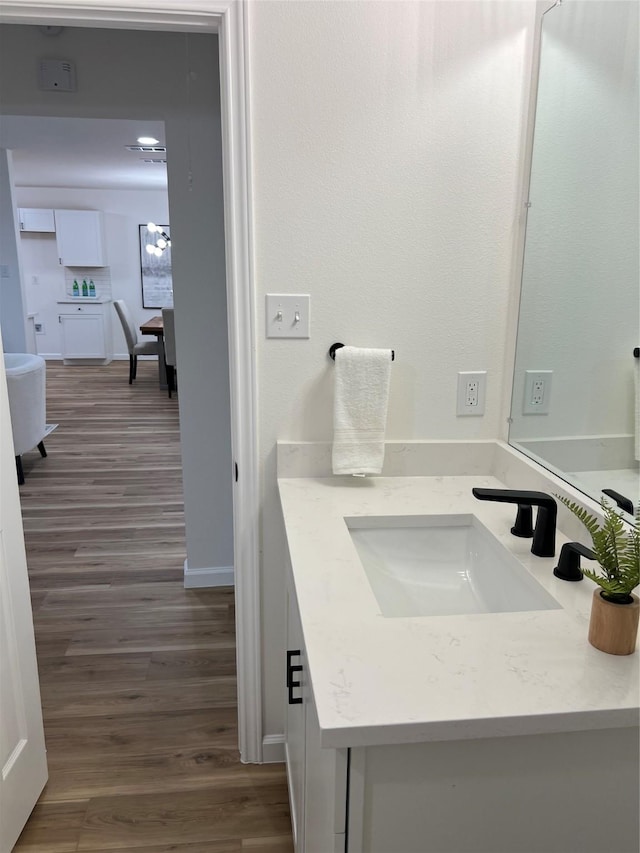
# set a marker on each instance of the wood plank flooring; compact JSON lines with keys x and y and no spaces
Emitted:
{"x":137,"y":674}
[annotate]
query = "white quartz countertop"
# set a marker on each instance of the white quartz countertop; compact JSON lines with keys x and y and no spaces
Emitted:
{"x":378,"y":680}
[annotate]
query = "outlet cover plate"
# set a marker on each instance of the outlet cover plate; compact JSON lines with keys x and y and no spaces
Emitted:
{"x":537,"y":392}
{"x":472,"y":389}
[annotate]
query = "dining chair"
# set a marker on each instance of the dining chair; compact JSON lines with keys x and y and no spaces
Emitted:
{"x":134,"y":346}
{"x":170,"y":360}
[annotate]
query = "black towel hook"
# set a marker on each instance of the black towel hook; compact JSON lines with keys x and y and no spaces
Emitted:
{"x":334,"y":347}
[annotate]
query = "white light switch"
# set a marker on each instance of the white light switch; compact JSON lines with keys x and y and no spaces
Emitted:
{"x":287,"y":315}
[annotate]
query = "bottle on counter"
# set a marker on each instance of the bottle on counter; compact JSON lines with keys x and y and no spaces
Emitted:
{"x":75,"y":289}
{"x":92,"y":288}
{"x":85,"y":287}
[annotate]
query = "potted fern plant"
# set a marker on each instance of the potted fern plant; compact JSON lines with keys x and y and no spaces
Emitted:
{"x":615,"y":610}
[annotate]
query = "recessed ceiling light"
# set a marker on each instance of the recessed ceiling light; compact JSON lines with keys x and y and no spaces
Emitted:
{"x":148,"y":140}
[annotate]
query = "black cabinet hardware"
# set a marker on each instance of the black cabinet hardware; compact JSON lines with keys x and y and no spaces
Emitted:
{"x":291,"y":682}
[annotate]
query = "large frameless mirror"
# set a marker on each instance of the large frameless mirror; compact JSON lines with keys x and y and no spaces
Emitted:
{"x":575,"y":394}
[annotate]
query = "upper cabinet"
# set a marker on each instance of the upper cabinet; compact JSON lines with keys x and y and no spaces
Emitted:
{"x":36,"y":219}
{"x":80,"y":238}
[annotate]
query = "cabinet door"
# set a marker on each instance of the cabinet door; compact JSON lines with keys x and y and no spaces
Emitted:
{"x":325,"y":790}
{"x":79,"y":235}
{"x":36,"y":219}
{"x":83,"y":336}
{"x":294,"y":722}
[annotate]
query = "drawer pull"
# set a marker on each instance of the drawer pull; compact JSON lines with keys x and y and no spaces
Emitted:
{"x":291,"y":683}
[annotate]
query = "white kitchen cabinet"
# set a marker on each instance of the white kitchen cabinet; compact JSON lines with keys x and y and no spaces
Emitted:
{"x":36,"y":219}
{"x":85,"y":331}
{"x":80,"y":238}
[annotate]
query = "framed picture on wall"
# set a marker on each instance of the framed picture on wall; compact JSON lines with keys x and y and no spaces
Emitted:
{"x":155,"y":268}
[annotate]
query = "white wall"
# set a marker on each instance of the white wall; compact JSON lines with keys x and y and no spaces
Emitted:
{"x":386,"y":140}
{"x":12,"y":311}
{"x":124,"y":211}
{"x":170,"y":77}
{"x":580,"y":307}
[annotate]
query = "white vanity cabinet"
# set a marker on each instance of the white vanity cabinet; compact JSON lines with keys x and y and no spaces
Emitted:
{"x":80,"y":238}
{"x":85,"y":331}
{"x":36,"y":219}
{"x":494,"y":732}
{"x":317,"y":777}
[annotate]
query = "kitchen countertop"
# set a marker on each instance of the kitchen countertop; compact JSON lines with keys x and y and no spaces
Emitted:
{"x":379,"y":680}
{"x":75,"y":300}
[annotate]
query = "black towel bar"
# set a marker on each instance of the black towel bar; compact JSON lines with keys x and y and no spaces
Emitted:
{"x":334,"y":347}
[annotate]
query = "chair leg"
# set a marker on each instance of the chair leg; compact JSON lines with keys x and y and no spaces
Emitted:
{"x":135,"y":366}
{"x":42,"y":449}
{"x":131,"y":370}
{"x":170,"y":378}
{"x":19,"y":470}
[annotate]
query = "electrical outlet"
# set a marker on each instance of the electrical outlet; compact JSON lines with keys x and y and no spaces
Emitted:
{"x":537,"y":392}
{"x":471,"y":392}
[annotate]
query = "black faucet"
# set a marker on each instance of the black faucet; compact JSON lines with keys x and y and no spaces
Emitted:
{"x":544,"y":535}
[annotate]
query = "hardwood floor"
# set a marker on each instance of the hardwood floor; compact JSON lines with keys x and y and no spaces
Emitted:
{"x":137,"y":674}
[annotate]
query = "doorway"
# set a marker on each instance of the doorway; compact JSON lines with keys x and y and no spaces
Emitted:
{"x":226,"y":19}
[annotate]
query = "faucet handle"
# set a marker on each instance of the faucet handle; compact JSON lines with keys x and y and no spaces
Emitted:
{"x":568,"y":568}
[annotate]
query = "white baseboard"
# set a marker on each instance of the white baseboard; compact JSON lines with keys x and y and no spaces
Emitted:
{"x":273,"y":749}
{"x":214,"y":576}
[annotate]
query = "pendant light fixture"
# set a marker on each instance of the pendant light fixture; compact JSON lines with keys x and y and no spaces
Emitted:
{"x":163,"y":241}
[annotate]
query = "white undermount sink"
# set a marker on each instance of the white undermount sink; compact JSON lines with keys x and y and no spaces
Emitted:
{"x":442,"y":565}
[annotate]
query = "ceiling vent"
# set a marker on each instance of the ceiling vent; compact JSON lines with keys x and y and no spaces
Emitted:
{"x":154,"y":160}
{"x":56,"y":75}
{"x":147,"y":149}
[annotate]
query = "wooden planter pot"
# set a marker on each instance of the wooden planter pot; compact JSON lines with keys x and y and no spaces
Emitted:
{"x":613,"y":628}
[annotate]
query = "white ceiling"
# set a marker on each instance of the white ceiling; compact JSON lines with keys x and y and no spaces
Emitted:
{"x":78,"y":152}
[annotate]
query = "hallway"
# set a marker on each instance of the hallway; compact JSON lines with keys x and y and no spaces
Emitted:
{"x":137,"y":674}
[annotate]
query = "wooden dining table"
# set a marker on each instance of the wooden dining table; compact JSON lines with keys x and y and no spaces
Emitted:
{"x":155,"y":326}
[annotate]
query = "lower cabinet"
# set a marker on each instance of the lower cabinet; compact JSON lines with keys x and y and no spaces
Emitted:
{"x":511,"y":794}
{"x":317,"y":777}
{"x":85,"y":332}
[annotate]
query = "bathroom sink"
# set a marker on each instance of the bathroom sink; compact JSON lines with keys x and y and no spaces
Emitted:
{"x":442,"y":565}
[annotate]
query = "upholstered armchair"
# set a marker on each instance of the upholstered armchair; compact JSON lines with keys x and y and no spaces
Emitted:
{"x":26,"y":386}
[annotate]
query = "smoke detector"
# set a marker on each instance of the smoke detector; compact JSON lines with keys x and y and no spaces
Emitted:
{"x":56,"y":75}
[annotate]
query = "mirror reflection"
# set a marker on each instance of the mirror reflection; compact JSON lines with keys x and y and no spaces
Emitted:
{"x":575,"y":395}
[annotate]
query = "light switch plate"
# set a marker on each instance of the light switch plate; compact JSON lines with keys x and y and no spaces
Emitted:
{"x":287,"y":315}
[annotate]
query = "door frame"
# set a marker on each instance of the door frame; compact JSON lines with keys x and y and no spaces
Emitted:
{"x":227,"y":18}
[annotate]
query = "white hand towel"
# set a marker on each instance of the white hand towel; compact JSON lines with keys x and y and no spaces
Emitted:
{"x":360,"y":409}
